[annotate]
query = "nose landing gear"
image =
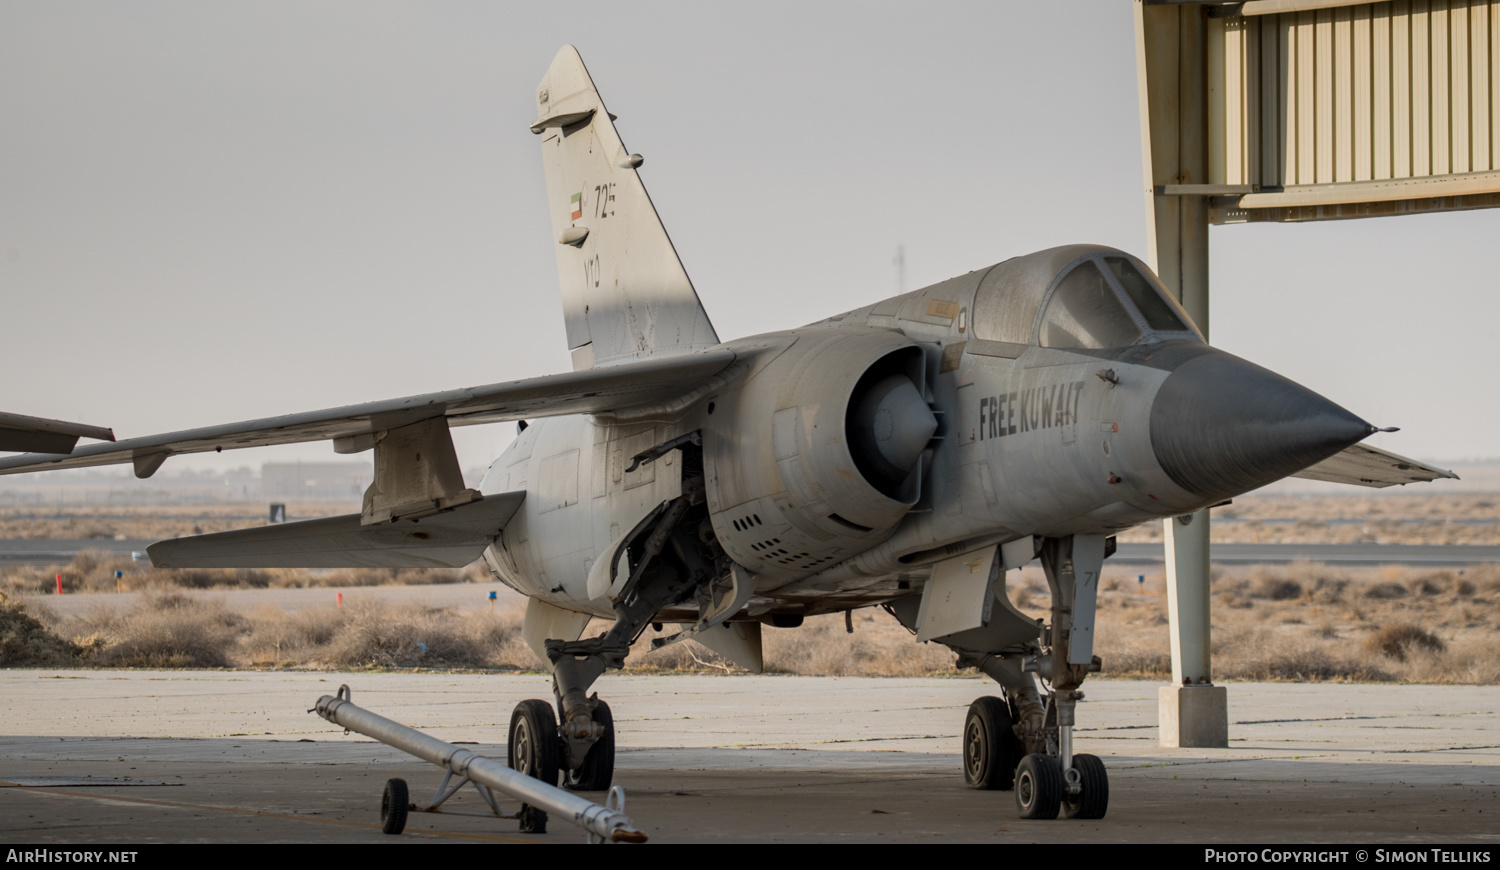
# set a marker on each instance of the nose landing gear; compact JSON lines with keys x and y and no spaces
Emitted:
{"x":1025,"y":741}
{"x":1048,"y":779}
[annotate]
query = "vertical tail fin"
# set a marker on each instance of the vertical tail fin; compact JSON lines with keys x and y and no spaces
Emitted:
{"x":625,"y":293}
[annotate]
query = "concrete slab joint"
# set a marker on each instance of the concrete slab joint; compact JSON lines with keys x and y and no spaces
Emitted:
{"x":1193,"y":717}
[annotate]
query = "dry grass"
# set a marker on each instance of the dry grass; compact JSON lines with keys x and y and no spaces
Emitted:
{"x":1302,"y":622}
{"x":26,"y":642}
{"x":1308,"y":621}
{"x":879,"y":645}
{"x":1400,"y":641}
{"x":167,"y":629}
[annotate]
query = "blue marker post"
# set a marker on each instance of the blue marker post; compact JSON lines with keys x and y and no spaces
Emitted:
{"x":493,"y":596}
{"x":118,"y":575}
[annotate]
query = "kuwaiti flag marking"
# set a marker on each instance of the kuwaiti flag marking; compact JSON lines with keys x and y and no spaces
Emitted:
{"x":577,"y":202}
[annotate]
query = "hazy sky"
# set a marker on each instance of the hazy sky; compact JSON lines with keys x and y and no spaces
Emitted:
{"x":213,"y":212}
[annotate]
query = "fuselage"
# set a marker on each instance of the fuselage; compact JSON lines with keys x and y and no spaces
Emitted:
{"x":1053,"y":394}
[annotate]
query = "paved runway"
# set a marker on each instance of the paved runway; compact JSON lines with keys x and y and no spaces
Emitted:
{"x":1445,"y":555}
{"x":212,"y":756}
{"x":41,"y":552}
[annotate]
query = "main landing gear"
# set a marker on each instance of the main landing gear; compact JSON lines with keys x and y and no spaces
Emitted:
{"x":1024,"y":741}
{"x":673,"y":558}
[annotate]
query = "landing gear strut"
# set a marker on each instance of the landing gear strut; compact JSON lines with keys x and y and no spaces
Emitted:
{"x":673,"y":558}
{"x":1024,"y":742}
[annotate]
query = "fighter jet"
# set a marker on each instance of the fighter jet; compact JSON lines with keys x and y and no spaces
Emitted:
{"x":909,"y":454}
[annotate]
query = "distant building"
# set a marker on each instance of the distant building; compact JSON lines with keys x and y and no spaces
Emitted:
{"x":315,"y":481}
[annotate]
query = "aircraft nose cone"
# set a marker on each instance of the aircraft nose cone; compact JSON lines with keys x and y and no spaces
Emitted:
{"x":1221,"y":426}
{"x":890,"y":427}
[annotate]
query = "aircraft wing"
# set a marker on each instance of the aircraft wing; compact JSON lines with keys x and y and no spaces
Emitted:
{"x":1361,"y":465}
{"x":592,"y":391}
{"x":20,"y":432}
{"x":451,"y":539}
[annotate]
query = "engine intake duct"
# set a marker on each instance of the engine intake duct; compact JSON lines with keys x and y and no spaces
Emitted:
{"x":888,"y":426}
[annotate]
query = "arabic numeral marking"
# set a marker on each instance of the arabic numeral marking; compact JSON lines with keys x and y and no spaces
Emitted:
{"x":591,"y":271}
{"x":604,"y":195}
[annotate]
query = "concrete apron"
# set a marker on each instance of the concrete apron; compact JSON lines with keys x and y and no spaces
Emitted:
{"x":219,"y":755}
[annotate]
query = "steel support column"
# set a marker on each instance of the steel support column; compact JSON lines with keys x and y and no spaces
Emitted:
{"x":1171,"y":74}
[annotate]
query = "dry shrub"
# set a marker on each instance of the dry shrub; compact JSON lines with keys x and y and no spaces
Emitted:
{"x":374,"y":634}
{"x":26,"y":642}
{"x":879,"y":645}
{"x":1312,"y":580}
{"x":94,"y":571}
{"x":1471,"y":662}
{"x":1485,"y":577}
{"x":169,"y":629}
{"x":1386,"y":591}
{"x":347,"y":577}
{"x":1263,"y":655}
{"x":1232,"y":590}
{"x":681,"y":656}
{"x":281,"y":639}
{"x":1266,"y":586}
{"x":217,"y":578}
{"x":1327,"y":588}
{"x":1400,"y":640}
{"x":1427,"y":585}
{"x":1133,"y":655}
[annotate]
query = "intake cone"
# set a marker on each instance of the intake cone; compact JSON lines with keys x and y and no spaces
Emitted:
{"x":889,"y":426}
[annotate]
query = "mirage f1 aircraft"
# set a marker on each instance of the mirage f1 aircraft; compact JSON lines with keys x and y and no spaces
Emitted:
{"x":906,"y":454}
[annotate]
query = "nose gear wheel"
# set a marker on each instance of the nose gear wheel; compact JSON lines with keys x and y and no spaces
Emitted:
{"x":1039,"y":787}
{"x":598,"y":768}
{"x":1092,"y":800}
{"x":533,"y":745}
{"x":991,"y":748}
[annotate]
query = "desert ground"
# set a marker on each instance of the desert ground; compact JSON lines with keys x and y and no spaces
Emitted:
{"x":1299,"y":622}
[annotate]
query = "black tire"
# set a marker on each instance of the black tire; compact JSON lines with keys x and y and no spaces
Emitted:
{"x":1039,"y":787}
{"x":1093,"y":801}
{"x":533,"y":746}
{"x":393,"y":806}
{"x":598,"y":769}
{"x":991,"y":748}
{"x":533,"y":820}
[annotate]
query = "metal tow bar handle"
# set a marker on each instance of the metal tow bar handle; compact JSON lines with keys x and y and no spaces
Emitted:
{"x":601,"y":822}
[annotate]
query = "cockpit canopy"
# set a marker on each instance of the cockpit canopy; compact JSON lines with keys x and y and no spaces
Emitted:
{"x":1078,"y":296}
